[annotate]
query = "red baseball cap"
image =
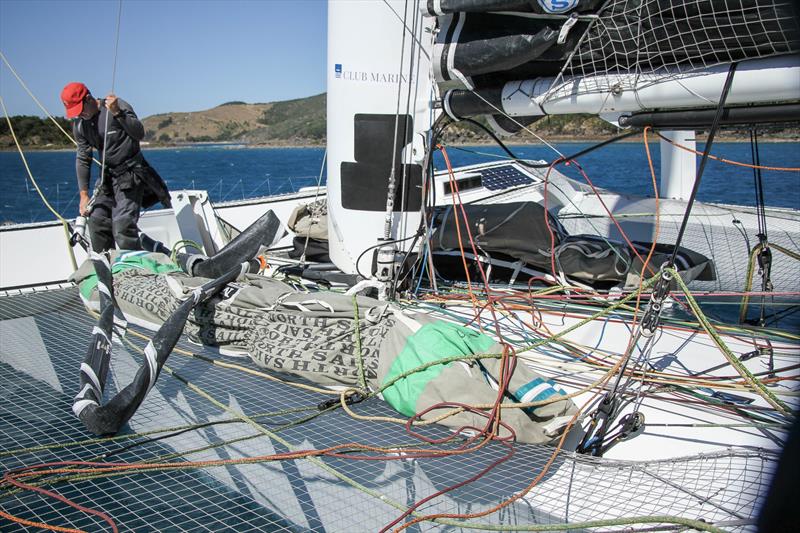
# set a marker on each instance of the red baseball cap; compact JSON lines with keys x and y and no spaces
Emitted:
{"x":72,"y":96}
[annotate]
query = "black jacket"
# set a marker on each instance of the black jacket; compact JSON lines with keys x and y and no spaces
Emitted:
{"x":123,"y":158}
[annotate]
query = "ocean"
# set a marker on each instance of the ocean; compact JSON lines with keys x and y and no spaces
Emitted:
{"x":233,"y":172}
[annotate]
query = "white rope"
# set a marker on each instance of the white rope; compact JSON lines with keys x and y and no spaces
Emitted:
{"x":113,"y":80}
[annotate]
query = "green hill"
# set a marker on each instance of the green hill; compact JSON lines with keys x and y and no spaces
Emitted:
{"x":290,"y":122}
{"x":302,"y":121}
{"x":34,"y":132}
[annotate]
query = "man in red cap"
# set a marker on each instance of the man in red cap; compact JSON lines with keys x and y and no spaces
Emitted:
{"x":129,"y":182}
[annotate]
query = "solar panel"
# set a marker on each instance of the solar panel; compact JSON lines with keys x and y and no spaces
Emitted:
{"x":504,"y":177}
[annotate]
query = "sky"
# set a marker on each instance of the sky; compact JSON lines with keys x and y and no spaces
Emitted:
{"x":173,"y":55}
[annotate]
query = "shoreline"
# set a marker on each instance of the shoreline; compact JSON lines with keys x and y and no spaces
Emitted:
{"x":569,"y":139}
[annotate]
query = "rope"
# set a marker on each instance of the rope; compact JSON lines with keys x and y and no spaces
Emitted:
{"x":703,"y":160}
{"x":183,"y":244}
{"x":729,"y":161}
{"x":748,"y":284}
{"x":46,"y":112}
{"x":627,"y":521}
{"x":390,"y":193}
{"x":755,"y":383}
{"x":454,"y":188}
{"x":108,"y":111}
{"x":63,"y":221}
{"x":337,"y":450}
{"x":362,"y":381}
{"x":198,"y":390}
{"x":40,"y":525}
{"x":136,"y":468}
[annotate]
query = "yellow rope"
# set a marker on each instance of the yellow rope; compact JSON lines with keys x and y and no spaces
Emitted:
{"x":46,"y":112}
{"x":64,"y":223}
{"x":751,"y":268}
{"x":756,"y":384}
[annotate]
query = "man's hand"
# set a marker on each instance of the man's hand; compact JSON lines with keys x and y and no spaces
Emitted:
{"x":84,"y":203}
{"x":112,"y":104}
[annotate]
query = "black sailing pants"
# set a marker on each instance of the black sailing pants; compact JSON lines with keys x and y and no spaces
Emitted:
{"x":115,"y":214}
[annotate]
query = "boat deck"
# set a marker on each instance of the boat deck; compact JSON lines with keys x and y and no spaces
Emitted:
{"x":200,"y":452}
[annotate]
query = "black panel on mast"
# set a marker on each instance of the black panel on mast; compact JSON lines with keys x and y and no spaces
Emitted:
{"x":365,"y":181}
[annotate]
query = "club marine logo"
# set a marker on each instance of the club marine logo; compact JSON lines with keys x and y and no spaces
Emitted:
{"x":367,"y":76}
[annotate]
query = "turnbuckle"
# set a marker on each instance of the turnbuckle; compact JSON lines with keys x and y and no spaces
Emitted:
{"x":354,"y":398}
{"x":652,"y":315}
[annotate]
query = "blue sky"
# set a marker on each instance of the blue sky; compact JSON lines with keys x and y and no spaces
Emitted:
{"x":174,"y":55}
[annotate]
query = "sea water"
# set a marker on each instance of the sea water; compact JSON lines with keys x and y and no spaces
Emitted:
{"x":234,"y":172}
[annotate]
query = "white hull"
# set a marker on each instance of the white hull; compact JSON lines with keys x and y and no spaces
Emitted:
{"x":721,"y":232}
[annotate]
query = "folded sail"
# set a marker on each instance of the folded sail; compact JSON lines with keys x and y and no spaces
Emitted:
{"x":605,"y":58}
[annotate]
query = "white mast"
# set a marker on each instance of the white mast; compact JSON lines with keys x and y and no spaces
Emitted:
{"x":678,"y":166}
{"x":380,"y":95}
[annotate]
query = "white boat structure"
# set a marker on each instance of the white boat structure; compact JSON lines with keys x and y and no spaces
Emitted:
{"x":678,"y":421}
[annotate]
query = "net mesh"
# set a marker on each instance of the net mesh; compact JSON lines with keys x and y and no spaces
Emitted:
{"x":727,"y":234}
{"x":44,"y":338}
{"x":634,"y":43}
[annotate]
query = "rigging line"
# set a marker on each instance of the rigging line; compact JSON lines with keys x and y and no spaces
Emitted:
{"x":64,"y":223}
{"x":387,"y":222}
{"x":759,"y":190}
{"x":562,"y":157}
{"x":410,"y":31}
{"x":707,"y":150}
{"x":40,"y":525}
{"x":512,"y":119}
{"x":765,"y":255}
{"x":113,"y":81}
{"x":518,"y":494}
{"x":404,"y":175}
{"x":728,"y":161}
{"x":14,"y":72}
{"x":41,"y":106}
{"x":525,"y":163}
{"x":754,"y":382}
{"x":416,"y":48}
{"x":550,"y":167}
{"x":25,"y":163}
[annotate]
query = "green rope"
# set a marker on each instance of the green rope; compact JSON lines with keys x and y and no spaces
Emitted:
{"x":362,"y":381}
{"x":751,"y":267}
{"x":183,"y":244}
{"x":89,"y":442}
{"x":756,"y":383}
{"x":696,"y":524}
{"x":627,"y":521}
{"x":272,"y":434}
